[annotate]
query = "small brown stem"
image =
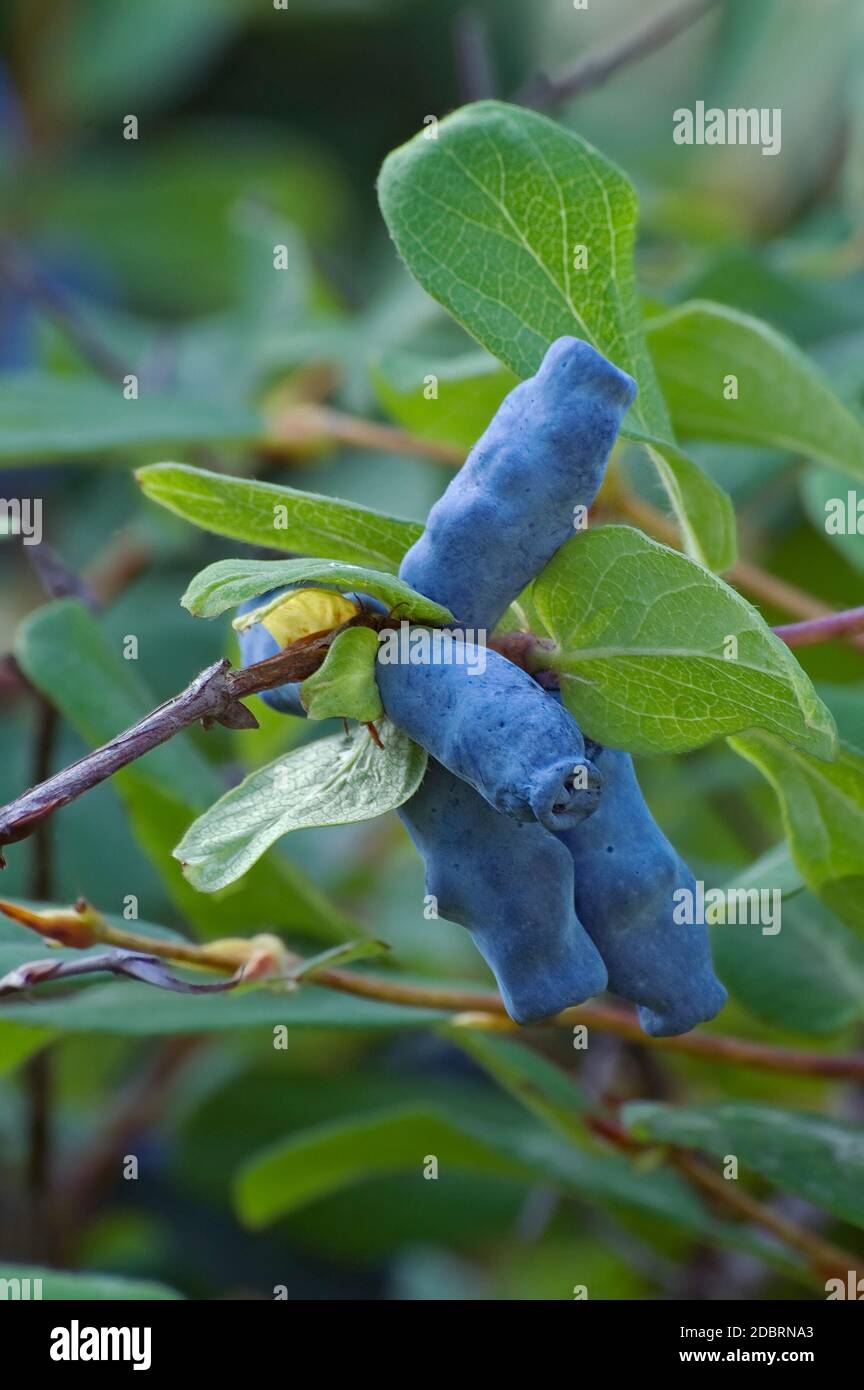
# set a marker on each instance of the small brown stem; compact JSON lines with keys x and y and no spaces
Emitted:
{"x":214,"y":696}
{"x":814,"y":630}
{"x":824,"y":1259}
{"x":137,"y":1108}
{"x":302,"y":426}
{"x":600,"y":64}
{"x":478,"y":1008}
{"x":38,"y":1074}
{"x":117,"y":566}
{"x":374,"y":735}
{"x":715,"y":1047}
{"x":23,"y":272}
{"x":743,"y":574}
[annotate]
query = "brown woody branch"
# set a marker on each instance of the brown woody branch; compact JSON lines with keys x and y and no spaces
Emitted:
{"x":813,"y":630}
{"x":213,"y":697}
{"x":602,"y":63}
{"x":824,"y":1259}
{"x":82,"y":926}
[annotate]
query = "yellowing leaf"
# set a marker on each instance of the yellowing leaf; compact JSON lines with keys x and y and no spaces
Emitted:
{"x":296,"y":615}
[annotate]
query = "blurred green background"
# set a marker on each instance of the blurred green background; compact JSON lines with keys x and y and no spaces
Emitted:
{"x":259,"y":126}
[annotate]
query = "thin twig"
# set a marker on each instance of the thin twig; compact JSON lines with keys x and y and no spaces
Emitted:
{"x":814,"y":630}
{"x":17,"y":267}
{"x":601,"y":63}
{"x":13,"y":682}
{"x":56,"y":578}
{"x":214,"y":696}
{"x":824,"y":1259}
{"x":744,"y":575}
{"x":474,"y":1008}
{"x":473,"y":55}
{"x":483,"y":1007}
{"x":117,"y":566}
{"x":206,"y":696}
{"x":47,"y":721}
{"x":137,"y":1108}
{"x":295,"y":429}
{"x":38,"y":1074}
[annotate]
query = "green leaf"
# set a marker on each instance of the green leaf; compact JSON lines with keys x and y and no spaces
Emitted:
{"x":345,"y":685}
{"x":806,"y":978}
{"x":62,"y":1286}
{"x":822,"y":489}
{"x":330,"y":1156}
{"x":705,"y":512}
{"x":162,"y":225}
{"x":773,"y":869}
{"x":333,"y":781}
{"x":45,"y":417}
{"x":18,"y":1042}
{"x":819,"y":1159}
{"x":281,"y":518}
{"x":846,"y":703}
{"x":102,"y":62}
{"x":488,"y":216}
{"x":333,"y":1155}
{"x":822,"y":805}
{"x":543,"y":1088}
{"x":65,"y":653}
{"x":228,"y":583}
{"x":468,"y":390}
{"x":642,"y":633}
{"x":339,"y":956}
{"x":136,"y":1010}
{"x":783,"y":399}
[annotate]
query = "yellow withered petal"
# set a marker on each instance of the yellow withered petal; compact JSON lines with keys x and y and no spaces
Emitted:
{"x":305,"y":611}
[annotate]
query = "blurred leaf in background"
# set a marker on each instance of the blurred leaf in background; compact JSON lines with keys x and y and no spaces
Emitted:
{"x":233,"y":258}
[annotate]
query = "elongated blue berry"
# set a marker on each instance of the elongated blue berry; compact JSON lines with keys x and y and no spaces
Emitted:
{"x":493,"y":727}
{"x":514,"y":500}
{"x":625,"y":873}
{"x":511,"y":885}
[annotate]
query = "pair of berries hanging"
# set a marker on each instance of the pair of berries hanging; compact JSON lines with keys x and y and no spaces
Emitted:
{"x":535,"y":839}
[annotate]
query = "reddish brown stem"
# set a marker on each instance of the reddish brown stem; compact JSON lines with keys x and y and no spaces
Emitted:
{"x":602,"y":63}
{"x":824,"y":1259}
{"x":214,"y":696}
{"x":824,"y":629}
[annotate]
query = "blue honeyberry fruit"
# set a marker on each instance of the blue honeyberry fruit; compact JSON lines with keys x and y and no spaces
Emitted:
{"x":511,"y":885}
{"x":513,"y":502}
{"x":498,"y":524}
{"x":493,"y":727}
{"x":625,"y":873}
